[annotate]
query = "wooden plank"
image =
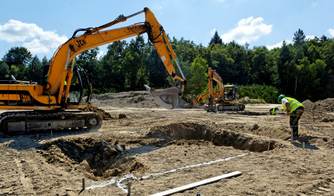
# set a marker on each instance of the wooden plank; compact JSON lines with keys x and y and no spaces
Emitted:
{"x":196,"y":184}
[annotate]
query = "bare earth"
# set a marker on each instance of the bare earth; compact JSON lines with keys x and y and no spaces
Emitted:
{"x":158,"y":140}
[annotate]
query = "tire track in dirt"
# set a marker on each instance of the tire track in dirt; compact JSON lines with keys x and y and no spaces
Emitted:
{"x":27,"y":173}
{"x":324,"y":187}
{"x":10,"y":182}
{"x":24,"y":178}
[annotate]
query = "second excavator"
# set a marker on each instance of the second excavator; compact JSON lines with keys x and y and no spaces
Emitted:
{"x":220,"y":97}
{"x":48,"y":106}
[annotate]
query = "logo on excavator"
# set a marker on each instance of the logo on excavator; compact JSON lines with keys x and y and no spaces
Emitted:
{"x":80,"y":43}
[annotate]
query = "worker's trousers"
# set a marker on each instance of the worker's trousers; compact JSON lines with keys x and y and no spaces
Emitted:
{"x":294,"y":118}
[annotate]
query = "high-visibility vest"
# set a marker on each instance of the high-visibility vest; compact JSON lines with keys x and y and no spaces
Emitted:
{"x":293,"y":104}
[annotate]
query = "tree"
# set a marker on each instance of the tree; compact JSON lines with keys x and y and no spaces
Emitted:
{"x":112,"y":69}
{"x":198,"y":80}
{"x":284,"y":67}
{"x":4,"y":71}
{"x":157,"y":75}
{"x":263,"y":69}
{"x":89,"y":62}
{"x":238,"y":72}
{"x":133,"y":63}
{"x":19,"y":56}
{"x":35,"y":70}
{"x":216,"y":39}
{"x":299,"y":37}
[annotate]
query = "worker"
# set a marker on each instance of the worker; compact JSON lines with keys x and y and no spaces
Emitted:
{"x":273,"y":111}
{"x":295,"y":109}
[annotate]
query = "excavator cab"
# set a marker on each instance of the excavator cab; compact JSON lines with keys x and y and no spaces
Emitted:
{"x":80,"y":88}
{"x":230,"y":92}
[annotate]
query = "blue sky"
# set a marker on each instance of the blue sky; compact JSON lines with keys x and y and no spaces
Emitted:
{"x":42,"y":25}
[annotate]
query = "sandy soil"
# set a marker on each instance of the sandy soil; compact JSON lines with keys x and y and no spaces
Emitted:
{"x":142,"y":139}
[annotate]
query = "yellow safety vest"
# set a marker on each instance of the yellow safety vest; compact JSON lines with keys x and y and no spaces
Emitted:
{"x":293,"y":104}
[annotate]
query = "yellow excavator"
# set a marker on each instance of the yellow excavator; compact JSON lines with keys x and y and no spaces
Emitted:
{"x":50,"y":106}
{"x":220,"y":97}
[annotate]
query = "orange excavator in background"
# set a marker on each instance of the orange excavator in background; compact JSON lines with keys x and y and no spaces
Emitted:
{"x":220,"y":97}
{"x":49,"y":106}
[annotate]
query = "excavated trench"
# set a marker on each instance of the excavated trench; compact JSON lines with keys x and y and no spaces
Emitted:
{"x":102,"y":158}
{"x":95,"y":157}
{"x":219,"y":137}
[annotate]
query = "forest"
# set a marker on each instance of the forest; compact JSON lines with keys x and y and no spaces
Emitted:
{"x":303,"y":69}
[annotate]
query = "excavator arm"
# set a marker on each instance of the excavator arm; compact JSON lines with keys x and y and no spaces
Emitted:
{"x":61,"y":68}
{"x":219,"y":91}
{"x":42,"y":107}
{"x":217,"y":100}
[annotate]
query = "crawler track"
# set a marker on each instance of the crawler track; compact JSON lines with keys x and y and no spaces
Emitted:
{"x":21,"y":122}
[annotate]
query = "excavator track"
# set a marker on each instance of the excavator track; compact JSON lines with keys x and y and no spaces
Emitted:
{"x":22,"y":122}
{"x":230,"y":107}
{"x":225,"y":107}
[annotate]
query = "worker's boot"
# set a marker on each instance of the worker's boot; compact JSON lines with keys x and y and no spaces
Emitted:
{"x":294,"y":134}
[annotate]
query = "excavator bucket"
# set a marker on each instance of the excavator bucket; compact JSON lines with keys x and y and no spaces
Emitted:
{"x":167,"y":98}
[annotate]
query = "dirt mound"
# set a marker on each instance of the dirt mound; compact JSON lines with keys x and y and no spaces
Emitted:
{"x":95,"y":157}
{"x":125,"y":99}
{"x":326,"y":105}
{"x":318,"y":111}
{"x":255,"y":129}
{"x":220,"y":137}
{"x":105,"y":115}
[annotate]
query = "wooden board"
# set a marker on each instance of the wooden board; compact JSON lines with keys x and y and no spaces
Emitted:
{"x":196,"y":184}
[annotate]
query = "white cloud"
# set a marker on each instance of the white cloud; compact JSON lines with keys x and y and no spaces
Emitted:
{"x":309,"y":37}
{"x":278,"y":44}
{"x":331,"y":32}
{"x":30,"y":35}
{"x":248,"y":30}
{"x":287,"y":41}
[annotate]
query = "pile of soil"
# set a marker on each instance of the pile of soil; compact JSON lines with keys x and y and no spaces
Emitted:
{"x":125,"y":99}
{"x":276,"y":132}
{"x":219,"y":137}
{"x":105,"y":115}
{"x":95,"y":157}
{"x":319,"y":110}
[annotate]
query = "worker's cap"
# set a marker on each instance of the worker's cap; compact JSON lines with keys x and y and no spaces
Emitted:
{"x":280,"y":97}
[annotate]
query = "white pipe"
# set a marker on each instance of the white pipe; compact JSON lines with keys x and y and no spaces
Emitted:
{"x":119,"y":181}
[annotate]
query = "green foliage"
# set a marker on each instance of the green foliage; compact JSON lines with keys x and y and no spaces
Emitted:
{"x":89,"y":62}
{"x":17,"y":56}
{"x":4,"y":71}
{"x":215,"y":39}
{"x":299,"y":37}
{"x":34,"y":71}
{"x":303,"y":69}
{"x":197,"y":81}
{"x":267,"y":93}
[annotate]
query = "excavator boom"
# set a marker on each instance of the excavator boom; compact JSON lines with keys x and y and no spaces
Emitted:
{"x":218,"y":96}
{"x":48,"y":102}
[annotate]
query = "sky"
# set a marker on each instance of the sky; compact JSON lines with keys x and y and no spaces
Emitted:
{"x":42,"y":25}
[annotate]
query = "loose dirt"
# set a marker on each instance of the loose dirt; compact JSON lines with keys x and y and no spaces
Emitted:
{"x":142,"y":139}
{"x":125,"y":99}
{"x":95,"y":157}
{"x":219,"y":137}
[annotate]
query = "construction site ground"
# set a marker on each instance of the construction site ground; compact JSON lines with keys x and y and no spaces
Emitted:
{"x":148,"y":142}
